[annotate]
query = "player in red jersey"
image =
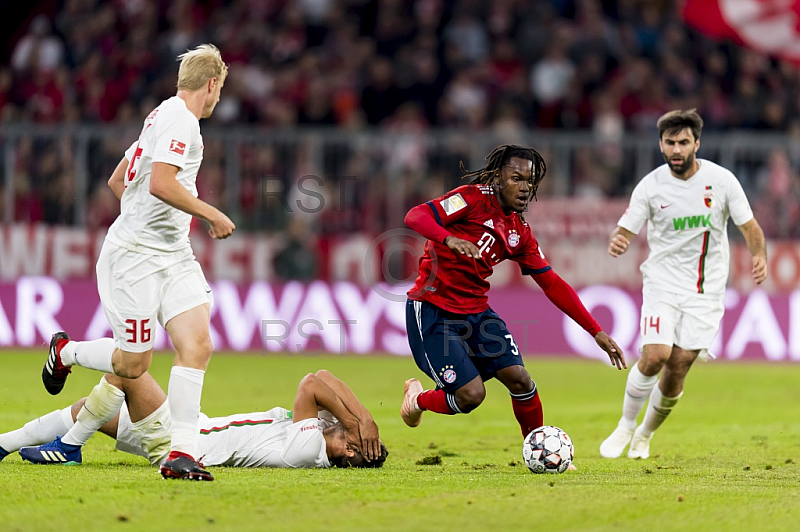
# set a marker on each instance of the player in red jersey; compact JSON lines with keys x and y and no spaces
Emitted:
{"x":456,"y":338}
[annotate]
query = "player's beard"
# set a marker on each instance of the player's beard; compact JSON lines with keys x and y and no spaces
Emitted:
{"x":680,"y":169}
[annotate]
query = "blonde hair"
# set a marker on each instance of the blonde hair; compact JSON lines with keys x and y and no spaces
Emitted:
{"x":200,"y":65}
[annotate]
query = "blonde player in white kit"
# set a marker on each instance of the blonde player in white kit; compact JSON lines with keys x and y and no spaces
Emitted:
{"x":328,"y":426}
{"x":147,"y":271}
{"x":687,"y":203}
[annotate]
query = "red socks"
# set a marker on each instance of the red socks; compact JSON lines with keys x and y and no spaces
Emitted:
{"x":528,"y":412}
{"x":435,"y":401}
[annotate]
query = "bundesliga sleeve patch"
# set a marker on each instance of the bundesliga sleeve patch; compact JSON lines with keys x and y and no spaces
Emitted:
{"x":176,"y":146}
{"x":453,"y":204}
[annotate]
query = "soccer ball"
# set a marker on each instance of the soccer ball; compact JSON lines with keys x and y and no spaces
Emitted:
{"x":547,"y":450}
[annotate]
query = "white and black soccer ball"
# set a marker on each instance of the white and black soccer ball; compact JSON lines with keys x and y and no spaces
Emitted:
{"x":547,"y":450}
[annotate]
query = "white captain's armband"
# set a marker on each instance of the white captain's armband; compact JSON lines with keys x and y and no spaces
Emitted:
{"x":453,"y":204}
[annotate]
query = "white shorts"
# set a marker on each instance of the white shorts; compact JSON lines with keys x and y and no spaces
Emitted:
{"x":137,"y":289}
{"x":151,"y":437}
{"x":686,"y":321}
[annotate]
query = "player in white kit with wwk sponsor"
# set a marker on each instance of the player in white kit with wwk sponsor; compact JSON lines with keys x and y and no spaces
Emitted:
{"x":687,"y":203}
{"x":146,"y":271}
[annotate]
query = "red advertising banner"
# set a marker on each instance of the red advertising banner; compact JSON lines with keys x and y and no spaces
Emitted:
{"x":575,"y":242}
{"x":344,"y":317}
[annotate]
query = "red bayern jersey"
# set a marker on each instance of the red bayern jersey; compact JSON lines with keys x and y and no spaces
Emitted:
{"x":457,"y":283}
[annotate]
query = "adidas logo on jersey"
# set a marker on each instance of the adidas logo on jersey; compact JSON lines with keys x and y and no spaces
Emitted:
{"x":489,"y":223}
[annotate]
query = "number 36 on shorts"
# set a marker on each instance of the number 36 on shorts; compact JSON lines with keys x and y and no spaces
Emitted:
{"x":138,"y":331}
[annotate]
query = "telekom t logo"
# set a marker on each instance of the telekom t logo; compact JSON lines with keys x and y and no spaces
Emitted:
{"x":485,"y":242}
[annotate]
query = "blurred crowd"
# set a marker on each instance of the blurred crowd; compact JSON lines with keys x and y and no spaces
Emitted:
{"x":353,"y":63}
{"x":403,"y":67}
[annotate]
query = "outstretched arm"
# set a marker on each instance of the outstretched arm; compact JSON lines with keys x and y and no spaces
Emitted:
{"x":566,"y":299}
{"x":368,"y":429}
{"x":757,"y":244}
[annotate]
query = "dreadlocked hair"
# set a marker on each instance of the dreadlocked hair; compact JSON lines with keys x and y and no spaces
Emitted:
{"x":499,"y":157}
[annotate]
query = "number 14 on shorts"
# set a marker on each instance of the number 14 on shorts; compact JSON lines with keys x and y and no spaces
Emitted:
{"x":654,"y":322}
{"x":138,"y":331}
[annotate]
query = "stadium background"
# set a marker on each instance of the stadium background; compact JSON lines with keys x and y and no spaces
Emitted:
{"x":339,"y":115}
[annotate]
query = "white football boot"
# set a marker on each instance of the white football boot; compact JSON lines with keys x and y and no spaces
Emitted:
{"x":640,"y":445}
{"x":613,"y":446}
{"x":410,"y":411}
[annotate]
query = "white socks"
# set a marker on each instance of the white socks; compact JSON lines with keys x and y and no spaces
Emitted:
{"x":39,"y":431}
{"x":637,"y":390}
{"x":95,"y":354}
{"x":657,"y":411}
{"x":185,"y":389}
{"x":101,"y":406}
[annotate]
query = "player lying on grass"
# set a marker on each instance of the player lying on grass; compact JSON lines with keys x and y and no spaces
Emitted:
{"x":328,"y":426}
{"x":456,"y":338}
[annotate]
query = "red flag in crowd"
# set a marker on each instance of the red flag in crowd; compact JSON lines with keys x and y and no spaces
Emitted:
{"x":769,"y":26}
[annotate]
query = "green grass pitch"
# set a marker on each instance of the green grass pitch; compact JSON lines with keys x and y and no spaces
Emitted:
{"x":727,"y":459}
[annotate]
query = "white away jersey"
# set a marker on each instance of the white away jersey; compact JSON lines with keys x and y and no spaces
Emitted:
{"x":171,"y":134}
{"x":687,"y":229}
{"x":263,"y":439}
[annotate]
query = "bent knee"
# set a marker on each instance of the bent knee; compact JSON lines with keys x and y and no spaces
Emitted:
{"x":516,"y":378}
{"x":470,"y":398}
{"x":195,"y":354}
{"x":654,"y":357}
{"x":679,"y":368}
{"x":202,"y":348}
{"x":681,"y":360}
{"x":205,"y":346}
{"x":520,"y":384}
{"x":132,"y":369}
{"x":130,"y":365}
{"x":131,"y":372}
